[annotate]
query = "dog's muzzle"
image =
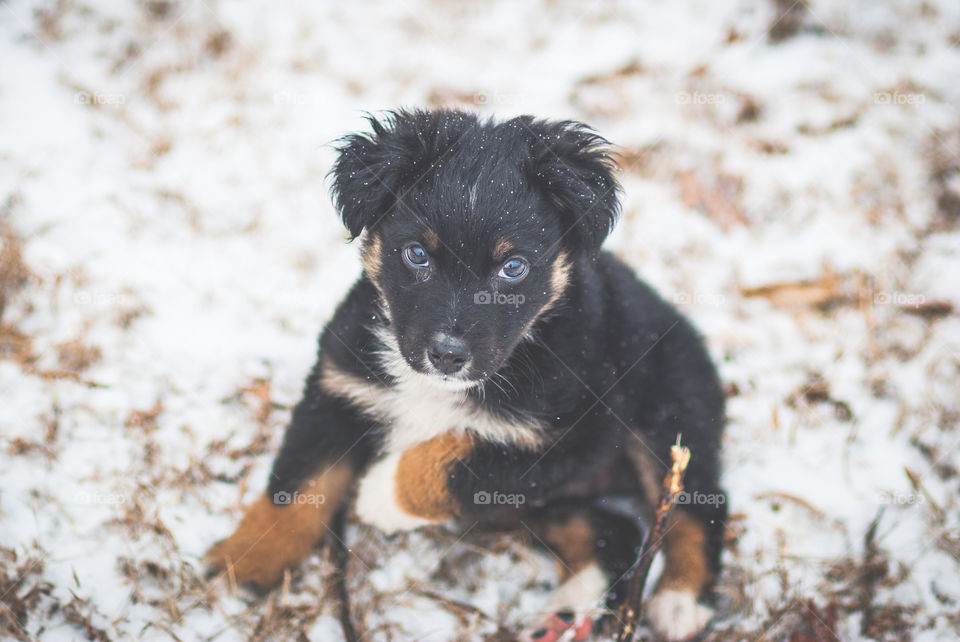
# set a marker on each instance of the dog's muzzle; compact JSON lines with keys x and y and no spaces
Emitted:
{"x":448,"y":354}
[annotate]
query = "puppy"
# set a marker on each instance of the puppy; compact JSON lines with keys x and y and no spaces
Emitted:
{"x":493,"y":365}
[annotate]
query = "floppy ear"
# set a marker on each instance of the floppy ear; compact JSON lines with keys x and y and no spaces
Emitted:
{"x":365,"y":182}
{"x":571,"y":165}
{"x":373,"y":170}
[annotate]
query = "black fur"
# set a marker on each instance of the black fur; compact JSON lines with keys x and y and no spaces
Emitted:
{"x":607,"y":362}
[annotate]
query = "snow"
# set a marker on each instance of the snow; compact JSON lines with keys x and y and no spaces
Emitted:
{"x":168,"y":185}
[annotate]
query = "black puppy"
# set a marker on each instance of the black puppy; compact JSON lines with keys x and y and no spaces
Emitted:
{"x":492,"y":364}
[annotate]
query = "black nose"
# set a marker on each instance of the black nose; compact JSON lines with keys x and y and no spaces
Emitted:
{"x":448,"y":354}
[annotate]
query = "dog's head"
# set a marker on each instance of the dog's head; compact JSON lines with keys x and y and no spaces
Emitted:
{"x":470,"y":230}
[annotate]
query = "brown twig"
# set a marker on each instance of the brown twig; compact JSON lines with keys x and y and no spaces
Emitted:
{"x":632,"y":608}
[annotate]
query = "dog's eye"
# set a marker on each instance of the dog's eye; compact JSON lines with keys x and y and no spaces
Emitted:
{"x":514,"y":269}
{"x":416,"y":256}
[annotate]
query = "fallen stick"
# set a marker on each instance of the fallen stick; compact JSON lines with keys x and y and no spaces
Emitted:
{"x":632,"y":608}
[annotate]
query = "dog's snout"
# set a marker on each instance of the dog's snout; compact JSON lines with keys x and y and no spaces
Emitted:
{"x":448,"y":354}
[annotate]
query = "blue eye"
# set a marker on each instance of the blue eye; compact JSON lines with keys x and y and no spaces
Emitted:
{"x":415,"y":256}
{"x":514,"y":269}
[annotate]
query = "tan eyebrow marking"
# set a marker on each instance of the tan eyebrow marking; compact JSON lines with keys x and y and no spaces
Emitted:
{"x":431,"y":240}
{"x":560,"y":278}
{"x":370,"y":257}
{"x":502,"y":249}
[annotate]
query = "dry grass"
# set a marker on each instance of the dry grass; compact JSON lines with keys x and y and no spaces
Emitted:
{"x":24,"y":594}
{"x":158,"y":574}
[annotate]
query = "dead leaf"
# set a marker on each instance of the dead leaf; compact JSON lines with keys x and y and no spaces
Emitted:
{"x":717,"y":200}
{"x":829,"y":288}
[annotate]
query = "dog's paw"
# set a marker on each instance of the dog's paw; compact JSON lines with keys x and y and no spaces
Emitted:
{"x":563,"y":625}
{"x":677,"y":615}
{"x":571,"y":607}
{"x":241,"y":562}
{"x":269,"y":540}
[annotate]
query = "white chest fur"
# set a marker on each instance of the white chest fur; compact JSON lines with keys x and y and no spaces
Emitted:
{"x":377,"y":498}
{"x":414,"y":410}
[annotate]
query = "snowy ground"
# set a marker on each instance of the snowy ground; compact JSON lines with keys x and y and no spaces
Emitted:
{"x":169,"y":253}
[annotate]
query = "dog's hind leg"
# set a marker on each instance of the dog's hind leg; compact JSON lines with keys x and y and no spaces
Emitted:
{"x":691,"y":547}
{"x":594,"y":549}
{"x":674,"y":611}
{"x":324,"y":448}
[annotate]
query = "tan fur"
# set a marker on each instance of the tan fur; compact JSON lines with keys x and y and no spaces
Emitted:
{"x":422,"y":474}
{"x":649,"y":470}
{"x":573,"y":542}
{"x":272,"y":537}
{"x":685,"y":555}
{"x":431,"y":240}
{"x":502,"y":250}
{"x":370,"y":257}
{"x":560,"y":278}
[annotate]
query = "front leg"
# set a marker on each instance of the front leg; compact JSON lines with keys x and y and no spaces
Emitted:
{"x":278,"y":531}
{"x":410,"y":489}
{"x":326,"y":443}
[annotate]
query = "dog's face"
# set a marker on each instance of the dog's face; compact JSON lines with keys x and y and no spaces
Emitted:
{"x":471,"y":231}
{"x":461,"y":286}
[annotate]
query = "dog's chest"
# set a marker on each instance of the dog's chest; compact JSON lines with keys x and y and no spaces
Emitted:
{"x":411,"y":411}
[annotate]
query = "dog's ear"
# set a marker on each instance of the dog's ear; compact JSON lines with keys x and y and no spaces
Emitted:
{"x":571,"y":165}
{"x":365,"y":179}
{"x":373,"y":170}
